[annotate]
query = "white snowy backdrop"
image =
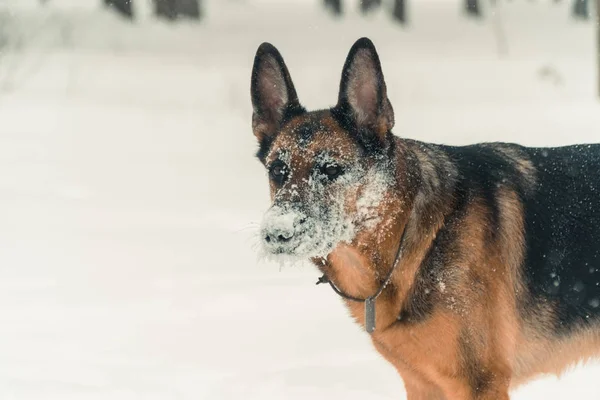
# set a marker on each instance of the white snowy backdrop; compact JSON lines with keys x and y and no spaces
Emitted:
{"x":130,"y":197}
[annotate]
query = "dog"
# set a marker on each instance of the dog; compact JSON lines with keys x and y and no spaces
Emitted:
{"x":473,"y":268}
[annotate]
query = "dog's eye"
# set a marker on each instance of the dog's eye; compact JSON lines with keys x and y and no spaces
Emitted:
{"x":332,"y":171}
{"x":278,"y":171}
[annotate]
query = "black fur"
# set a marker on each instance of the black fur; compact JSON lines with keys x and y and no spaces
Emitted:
{"x":562,"y":264}
{"x":263,"y":148}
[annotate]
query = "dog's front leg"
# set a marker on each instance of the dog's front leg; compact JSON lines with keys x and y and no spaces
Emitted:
{"x":416,"y":386}
{"x":418,"y":389}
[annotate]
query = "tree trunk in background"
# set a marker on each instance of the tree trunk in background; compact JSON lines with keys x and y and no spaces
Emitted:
{"x":399,"y":11}
{"x":598,"y":41}
{"x":369,"y":5}
{"x":123,"y":7}
{"x":166,"y":9}
{"x":335,"y":6}
{"x":472,"y":7}
{"x":189,"y":9}
{"x":581,"y":9}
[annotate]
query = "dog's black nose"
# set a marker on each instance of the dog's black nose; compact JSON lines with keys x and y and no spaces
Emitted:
{"x":279,"y":237}
{"x":283,"y":238}
{"x":282,"y":228}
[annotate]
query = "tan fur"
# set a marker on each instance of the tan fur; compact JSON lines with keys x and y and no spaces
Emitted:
{"x":546,"y":356}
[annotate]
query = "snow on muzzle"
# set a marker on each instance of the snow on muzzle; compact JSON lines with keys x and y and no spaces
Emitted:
{"x":311,"y":231}
{"x":283,"y":229}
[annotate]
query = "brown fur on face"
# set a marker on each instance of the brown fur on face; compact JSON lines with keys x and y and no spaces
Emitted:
{"x":324,"y":136}
{"x":466,"y":313}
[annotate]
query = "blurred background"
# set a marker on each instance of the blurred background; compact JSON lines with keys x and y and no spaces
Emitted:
{"x":130,"y":197}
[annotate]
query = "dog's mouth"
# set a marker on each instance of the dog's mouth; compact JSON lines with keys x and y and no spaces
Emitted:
{"x":301,"y":234}
{"x":303,"y":244}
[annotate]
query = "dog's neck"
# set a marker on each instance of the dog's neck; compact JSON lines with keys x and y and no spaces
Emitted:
{"x":360,"y":268}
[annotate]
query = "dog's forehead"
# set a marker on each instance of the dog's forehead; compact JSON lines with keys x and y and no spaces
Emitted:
{"x":311,"y":135}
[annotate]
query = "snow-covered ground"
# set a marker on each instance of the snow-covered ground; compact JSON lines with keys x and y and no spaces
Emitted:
{"x":130,"y":197}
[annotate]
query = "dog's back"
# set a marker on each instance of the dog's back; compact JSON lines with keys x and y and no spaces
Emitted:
{"x":562,"y":214}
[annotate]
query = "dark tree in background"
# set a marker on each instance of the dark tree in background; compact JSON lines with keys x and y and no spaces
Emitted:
{"x":366,"y":6}
{"x":123,"y":7}
{"x":166,"y":9}
{"x":581,"y":9}
{"x":189,"y":9}
{"x":598,"y":41}
{"x":369,"y":5}
{"x":173,"y":9}
{"x":472,"y":8}
{"x":335,"y":6}
{"x":399,"y":11}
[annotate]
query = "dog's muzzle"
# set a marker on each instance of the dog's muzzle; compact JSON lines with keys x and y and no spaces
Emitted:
{"x":281,"y":229}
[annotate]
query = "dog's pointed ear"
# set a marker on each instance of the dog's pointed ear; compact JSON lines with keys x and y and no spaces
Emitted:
{"x":274,"y":98}
{"x":363,"y":94}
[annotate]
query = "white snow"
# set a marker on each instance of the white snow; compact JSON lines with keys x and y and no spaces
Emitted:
{"x":130,"y":200}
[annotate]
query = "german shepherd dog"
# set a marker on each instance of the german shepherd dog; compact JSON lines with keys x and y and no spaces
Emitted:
{"x":473,"y":268}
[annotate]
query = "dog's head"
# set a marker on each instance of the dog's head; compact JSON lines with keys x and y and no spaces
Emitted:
{"x":329,"y":170}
